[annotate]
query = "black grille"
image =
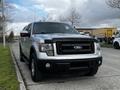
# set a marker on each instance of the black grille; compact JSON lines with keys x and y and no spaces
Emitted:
{"x":75,"y":47}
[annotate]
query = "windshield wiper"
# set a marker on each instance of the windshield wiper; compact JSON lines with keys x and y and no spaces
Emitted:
{"x":43,"y":33}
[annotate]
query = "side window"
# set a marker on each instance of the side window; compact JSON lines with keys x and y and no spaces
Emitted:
{"x":28,"y":28}
{"x":24,"y":29}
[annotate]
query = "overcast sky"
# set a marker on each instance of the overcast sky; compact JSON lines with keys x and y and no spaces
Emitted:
{"x":94,"y":13}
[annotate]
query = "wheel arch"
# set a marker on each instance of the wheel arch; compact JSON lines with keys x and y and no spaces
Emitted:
{"x":117,"y":42}
{"x":32,"y":50}
{"x":116,"y":45}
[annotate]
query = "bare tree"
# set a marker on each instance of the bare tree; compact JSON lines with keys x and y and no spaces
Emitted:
{"x":4,"y":18}
{"x":0,"y":23}
{"x":114,"y":3}
{"x":44,"y":19}
{"x":4,"y":13}
{"x":73,"y":17}
{"x":11,"y":36}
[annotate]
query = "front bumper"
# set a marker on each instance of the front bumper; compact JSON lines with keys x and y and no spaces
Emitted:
{"x":68,"y":65}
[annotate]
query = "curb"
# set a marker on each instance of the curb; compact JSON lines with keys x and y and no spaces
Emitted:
{"x":19,"y":75}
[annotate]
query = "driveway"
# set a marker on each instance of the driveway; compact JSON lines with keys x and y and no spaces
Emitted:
{"x":107,"y":78}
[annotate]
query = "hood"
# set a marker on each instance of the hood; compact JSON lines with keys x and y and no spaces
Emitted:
{"x":51,"y":36}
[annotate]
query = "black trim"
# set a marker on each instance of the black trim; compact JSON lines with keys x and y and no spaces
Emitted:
{"x":75,"y":64}
{"x":70,"y":39}
{"x":87,"y":47}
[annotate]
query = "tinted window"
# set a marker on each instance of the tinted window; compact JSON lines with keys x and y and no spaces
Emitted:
{"x":49,"y":28}
{"x":29,"y":28}
{"x":24,"y":29}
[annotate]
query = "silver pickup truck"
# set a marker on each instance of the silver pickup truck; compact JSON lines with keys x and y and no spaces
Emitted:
{"x":57,"y":47}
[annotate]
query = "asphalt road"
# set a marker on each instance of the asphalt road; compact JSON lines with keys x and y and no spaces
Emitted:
{"x":107,"y":78}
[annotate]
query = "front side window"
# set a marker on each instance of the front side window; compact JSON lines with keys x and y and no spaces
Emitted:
{"x":29,"y":28}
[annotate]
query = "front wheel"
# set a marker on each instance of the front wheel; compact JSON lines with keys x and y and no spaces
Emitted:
{"x":35,"y":72}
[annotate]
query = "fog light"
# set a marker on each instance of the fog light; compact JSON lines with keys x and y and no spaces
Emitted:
{"x":47,"y":65}
{"x":99,"y":62}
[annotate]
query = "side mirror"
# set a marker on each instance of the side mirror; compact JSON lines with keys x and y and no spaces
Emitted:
{"x":24,"y":34}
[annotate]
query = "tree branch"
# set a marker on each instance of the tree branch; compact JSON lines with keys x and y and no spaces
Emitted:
{"x":114,"y":3}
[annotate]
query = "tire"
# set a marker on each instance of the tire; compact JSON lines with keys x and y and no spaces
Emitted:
{"x":21,"y":55}
{"x":92,"y":71}
{"x":116,"y":45}
{"x":36,"y":75}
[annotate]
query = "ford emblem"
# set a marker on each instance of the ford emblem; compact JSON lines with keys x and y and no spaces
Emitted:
{"x":77,"y":47}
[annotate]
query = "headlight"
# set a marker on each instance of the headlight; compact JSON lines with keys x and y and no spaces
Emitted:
{"x":98,"y":47}
{"x":48,"y":48}
{"x":45,"y":47}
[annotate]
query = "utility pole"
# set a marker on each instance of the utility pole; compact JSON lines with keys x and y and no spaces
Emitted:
{"x":3,"y":23}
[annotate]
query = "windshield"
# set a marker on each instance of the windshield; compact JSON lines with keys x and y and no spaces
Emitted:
{"x":49,"y":28}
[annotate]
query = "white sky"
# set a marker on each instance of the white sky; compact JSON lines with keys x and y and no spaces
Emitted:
{"x":94,"y":13}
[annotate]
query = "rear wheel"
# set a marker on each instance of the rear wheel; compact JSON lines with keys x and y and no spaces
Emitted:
{"x":116,"y":45}
{"x":21,"y":55}
{"x":35,"y":72}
